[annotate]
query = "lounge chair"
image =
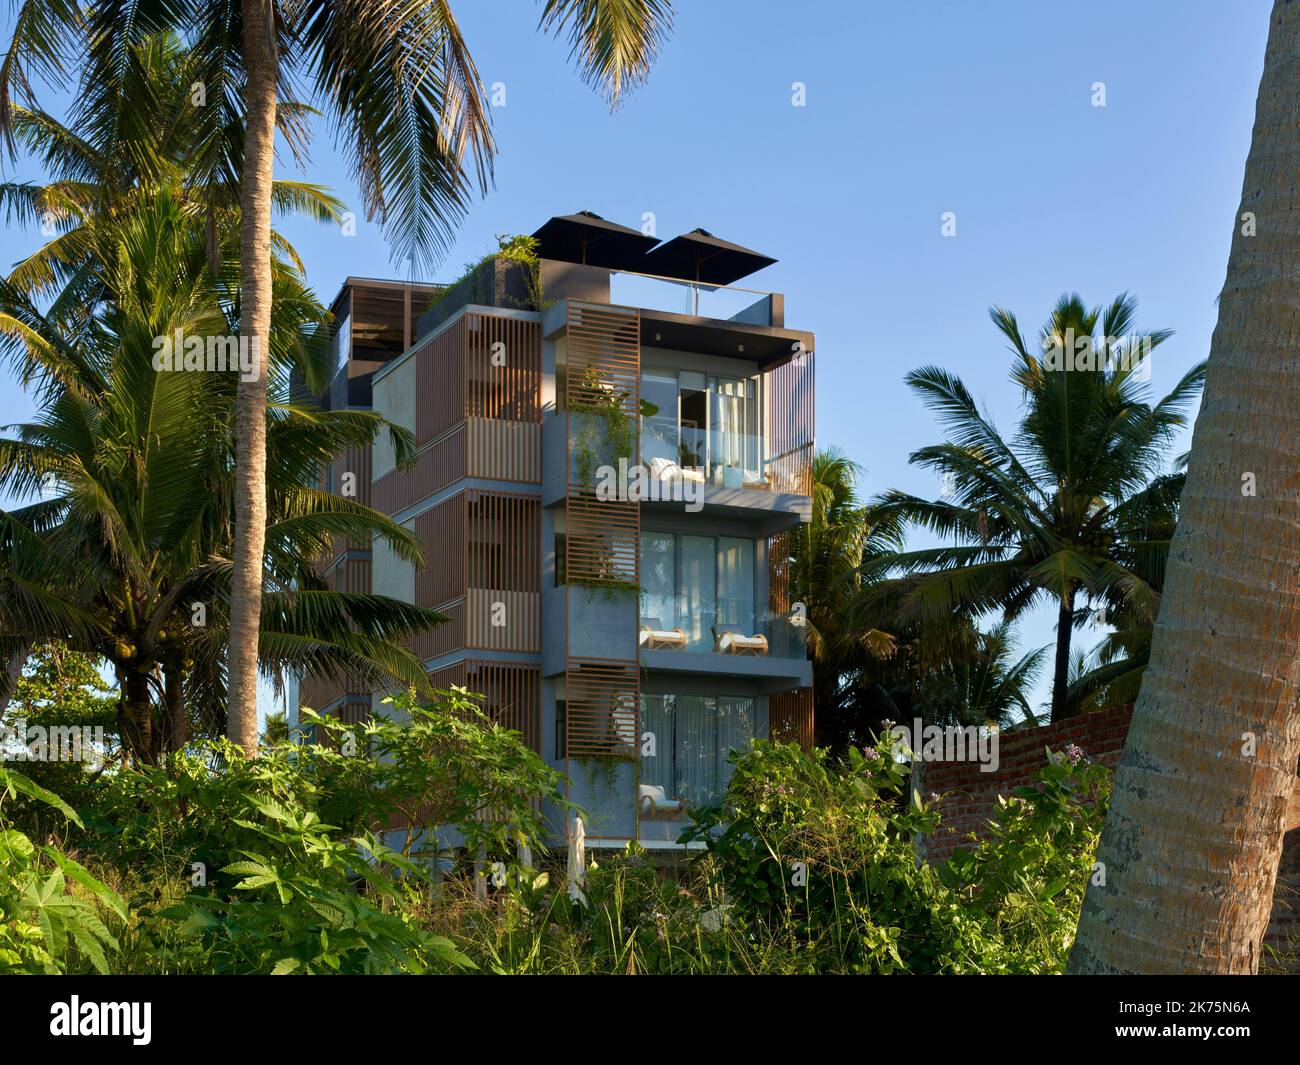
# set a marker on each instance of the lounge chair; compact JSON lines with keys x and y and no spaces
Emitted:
{"x":655,"y":803}
{"x":654,"y":637}
{"x":733,"y":640}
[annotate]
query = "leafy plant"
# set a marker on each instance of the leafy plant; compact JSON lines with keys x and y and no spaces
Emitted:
{"x":51,"y":908}
{"x":309,"y":901}
{"x":824,"y":855}
{"x":516,"y":248}
{"x":289,"y":858}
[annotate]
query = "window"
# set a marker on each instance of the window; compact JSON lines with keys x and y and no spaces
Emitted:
{"x":697,"y":590}
{"x":696,"y":583}
{"x":693,"y":418}
{"x":694,"y":736}
{"x":561,"y":728}
{"x":659,"y":423}
{"x":659,"y":580}
{"x":708,"y":423}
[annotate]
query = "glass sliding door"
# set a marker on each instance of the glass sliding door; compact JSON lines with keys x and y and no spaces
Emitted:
{"x":733,"y":437}
{"x":659,"y":580}
{"x":694,"y":737}
{"x":657,"y":719}
{"x":696,"y":749}
{"x":697,"y":595}
{"x":697,"y":583}
{"x":735,"y":732}
{"x":736,"y":583}
{"x":704,"y":422}
{"x":659,"y":420}
{"x":693,"y":420}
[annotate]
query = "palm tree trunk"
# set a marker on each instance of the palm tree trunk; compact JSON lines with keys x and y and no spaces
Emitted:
{"x":1193,"y":837}
{"x":176,"y":723}
{"x":13,"y":672}
{"x":135,"y":715}
{"x":261,"y":68}
{"x":1061,"y":670}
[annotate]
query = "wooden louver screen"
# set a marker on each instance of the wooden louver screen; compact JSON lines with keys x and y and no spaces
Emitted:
{"x":504,"y":571}
{"x":790,"y":392}
{"x":778,"y":575}
{"x":602,"y":376}
{"x":603,"y":360}
{"x":511,"y":691}
{"x":503,"y":397}
{"x":602,"y":540}
{"x":790,"y":717}
{"x":602,"y":712}
{"x":603,"y":373}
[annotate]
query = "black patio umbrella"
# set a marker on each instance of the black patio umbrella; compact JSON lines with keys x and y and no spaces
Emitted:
{"x":588,"y":239}
{"x":700,"y":256}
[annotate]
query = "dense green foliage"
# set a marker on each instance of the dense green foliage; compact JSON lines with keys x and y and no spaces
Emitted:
{"x":827,"y":855}
{"x":289,"y":864}
{"x":51,"y":907}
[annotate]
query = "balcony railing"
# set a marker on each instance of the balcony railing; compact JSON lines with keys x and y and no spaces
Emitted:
{"x":725,"y":302}
{"x":769,"y":636}
{"x":728,"y":460}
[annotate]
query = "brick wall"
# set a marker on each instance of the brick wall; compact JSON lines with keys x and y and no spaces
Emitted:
{"x":969,"y":798}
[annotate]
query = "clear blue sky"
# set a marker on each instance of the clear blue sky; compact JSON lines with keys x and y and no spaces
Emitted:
{"x":913,"y":110}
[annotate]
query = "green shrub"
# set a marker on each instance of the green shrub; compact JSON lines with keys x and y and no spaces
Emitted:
{"x":52,"y":910}
{"x":312,"y":902}
{"x":279,"y":860}
{"x":826,"y":855}
{"x":282,"y":865}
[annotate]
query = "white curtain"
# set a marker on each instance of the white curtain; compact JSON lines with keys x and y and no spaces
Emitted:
{"x":694,"y":735}
{"x":736,"y":583}
{"x":657,"y":719}
{"x":659,"y":578}
{"x":734,"y":422}
{"x":696,"y":748}
{"x":735,"y":731}
{"x":697,"y":598}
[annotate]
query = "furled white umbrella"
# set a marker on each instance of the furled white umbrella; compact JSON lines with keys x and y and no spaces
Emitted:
{"x":577,"y":859}
{"x":524,"y":851}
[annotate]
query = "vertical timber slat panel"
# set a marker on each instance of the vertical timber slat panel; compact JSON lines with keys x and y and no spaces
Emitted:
{"x":504,"y":571}
{"x":790,"y":388}
{"x":602,"y":373}
{"x":790,"y":717}
{"x":503,"y":407}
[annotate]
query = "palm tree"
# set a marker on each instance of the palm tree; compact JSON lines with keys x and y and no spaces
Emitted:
{"x":825,"y":560}
{"x":116,"y":158}
{"x":1193,"y":834}
{"x":986,"y":686}
{"x":400,"y":83}
{"x":1063,"y":509}
{"x":129,"y":555}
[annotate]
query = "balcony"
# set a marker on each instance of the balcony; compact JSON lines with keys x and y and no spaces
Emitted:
{"x":719,"y":605}
{"x":770,"y":652}
{"x":722,"y":459}
{"x":738,"y":431}
{"x":728,"y":303}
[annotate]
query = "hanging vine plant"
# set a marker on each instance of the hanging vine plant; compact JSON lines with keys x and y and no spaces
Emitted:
{"x":597,"y":398}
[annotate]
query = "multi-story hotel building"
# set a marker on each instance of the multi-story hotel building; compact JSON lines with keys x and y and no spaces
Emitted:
{"x":614,"y":448}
